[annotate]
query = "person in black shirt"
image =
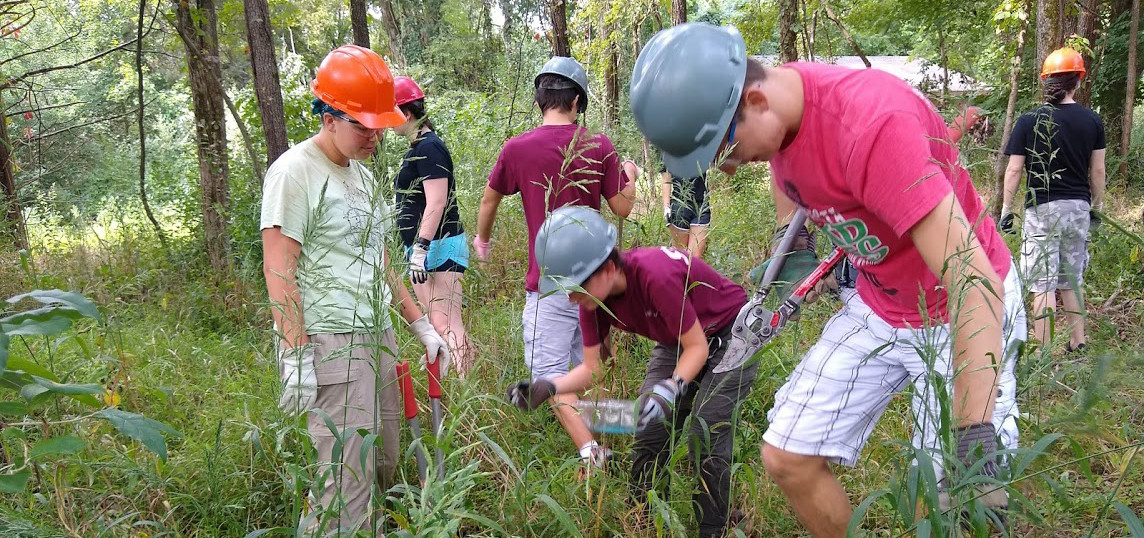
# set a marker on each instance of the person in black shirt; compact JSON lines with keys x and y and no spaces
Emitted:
{"x":687,"y":211}
{"x":1060,"y":145}
{"x":429,"y":222}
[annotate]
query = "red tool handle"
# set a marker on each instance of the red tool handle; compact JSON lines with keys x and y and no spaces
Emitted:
{"x":407,"y":395}
{"x":821,"y":271}
{"x":434,"y":377}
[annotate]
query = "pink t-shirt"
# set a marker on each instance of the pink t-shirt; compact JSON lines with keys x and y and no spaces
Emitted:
{"x":871,"y":158}
{"x":667,"y":293}
{"x":553,"y":166}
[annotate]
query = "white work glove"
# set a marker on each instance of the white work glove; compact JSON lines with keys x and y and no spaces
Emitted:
{"x":657,"y":404}
{"x":667,"y":214}
{"x":417,"y":273}
{"x":300,"y":380}
{"x":435,"y":347}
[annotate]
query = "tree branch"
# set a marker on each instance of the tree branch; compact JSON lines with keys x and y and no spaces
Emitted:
{"x":853,"y":44}
{"x":13,"y":81}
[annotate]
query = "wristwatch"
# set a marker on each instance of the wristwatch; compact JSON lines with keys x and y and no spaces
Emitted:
{"x":421,"y":241}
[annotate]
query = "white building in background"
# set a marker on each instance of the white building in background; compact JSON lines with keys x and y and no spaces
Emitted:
{"x":920,"y":73}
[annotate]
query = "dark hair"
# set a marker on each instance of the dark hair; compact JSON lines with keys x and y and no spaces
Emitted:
{"x":548,"y":98}
{"x":417,"y":110}
{"x":755,"y":73}
{"x":1058,"y":86}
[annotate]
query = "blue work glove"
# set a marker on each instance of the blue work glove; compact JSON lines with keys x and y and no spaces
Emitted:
{"x":657,"y":404}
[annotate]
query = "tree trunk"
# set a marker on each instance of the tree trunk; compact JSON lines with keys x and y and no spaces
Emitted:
{"x":359,"y":23}
{"x":200,"y":36}
{"x":678,"y":11}
{"x":1051,"y":26}
{"x":393,"y":32}
{"x":267,"y":88}
{"x":1087,"y":18}
{"x":14,"y":229}
{"x":1007,"y":127}
{"x":1130,"y":93}
{"x":143,"y":127}
{"x":611,"y":80}
{"x":558,"y":14}
{"x":788,"y":40}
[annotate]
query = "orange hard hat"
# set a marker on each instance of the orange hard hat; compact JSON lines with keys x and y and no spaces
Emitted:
{"x":1063,"y":60}
{"x":406,"y":90}
{"x":355,"y":80}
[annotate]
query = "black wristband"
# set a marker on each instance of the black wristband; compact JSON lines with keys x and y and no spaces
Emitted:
{"x":421,"y":241}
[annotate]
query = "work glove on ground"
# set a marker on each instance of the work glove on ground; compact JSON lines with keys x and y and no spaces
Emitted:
{"x":417,"y":272}
{"x":657,"y":404}
{"x":529,"y":395}
{"x":1006,"y":223}
{"x":299,"y":379}
{"x":797,"y":265}
{"x":975,"y":442}
{"x":435,"y":347}
{"x":481,"y":247}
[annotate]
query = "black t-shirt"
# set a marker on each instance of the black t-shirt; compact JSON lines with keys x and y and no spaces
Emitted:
{"x":427,"y":158}
{"x":1057,"y":142}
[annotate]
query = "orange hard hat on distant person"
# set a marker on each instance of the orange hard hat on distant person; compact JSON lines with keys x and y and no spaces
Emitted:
{"x":355,"y":80}
{"x":406,"y":90}
{"x":1063,"y":60}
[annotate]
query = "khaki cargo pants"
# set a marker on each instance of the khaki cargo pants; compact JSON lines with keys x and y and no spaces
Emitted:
{"x":357,"y":388}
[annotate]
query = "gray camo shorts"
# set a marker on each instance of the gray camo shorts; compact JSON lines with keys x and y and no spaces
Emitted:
{"x":1054,"y":245}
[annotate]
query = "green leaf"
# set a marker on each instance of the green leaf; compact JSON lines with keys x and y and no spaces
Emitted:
{"x":65,"y":444}
{"x":73,"y":301}
{"x":3,"y":351}
{"x":12,"y":409}
{"x":47,"y":320}
{"x":562,"y":516}
{"x":78,"y":391}
{"x":1130,"y":519}
{"x":15,"y":482}
{"x":147,"y":431}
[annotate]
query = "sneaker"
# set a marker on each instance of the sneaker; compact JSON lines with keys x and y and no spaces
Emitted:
{"x":1075,"y":352}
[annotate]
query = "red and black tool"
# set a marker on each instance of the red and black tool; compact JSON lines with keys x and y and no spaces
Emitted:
{"x":410,"y":400}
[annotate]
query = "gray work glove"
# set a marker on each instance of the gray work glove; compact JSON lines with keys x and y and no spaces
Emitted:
{"x":975,"y":442}
{"x":657,"y":404}
{"x":300,"y":380}
{"x":435,"y":346}
{"x":528,"y":395}
{"x":417,"y":272}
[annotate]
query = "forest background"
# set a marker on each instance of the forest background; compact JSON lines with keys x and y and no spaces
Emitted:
{"x":140,"y":399}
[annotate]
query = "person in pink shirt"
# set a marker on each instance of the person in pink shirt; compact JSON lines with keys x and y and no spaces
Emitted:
{"x":556,"y":164}
{"x":679,"y":302}
{"x":868,"y":158}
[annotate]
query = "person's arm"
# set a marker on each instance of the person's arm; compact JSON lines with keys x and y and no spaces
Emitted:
{"x":694,"y":354}
{"x":621,"y":204}
{"x":487,"y":213}
{"x":1012,"y":179}
{"x":949,"y":247}
{"x":784,"y":206}
{"x":402,"y":299}
{"x":436,"y":195}
{"x":584,"y":375}
{"x":279,"y":265}
{"x":1096,"y":178}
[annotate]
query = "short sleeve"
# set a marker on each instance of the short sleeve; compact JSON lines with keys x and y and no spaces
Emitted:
{"x":1017,"y":138}
{"x":501,"y":179}
{"x":614,"y":179}
{"x":284,"y":203}
{"x":432,"y":161}
{"x":668,"y":297}
{"x":593,"y":326}
{"x":1101,"y":141}
{"x":894,"y":174}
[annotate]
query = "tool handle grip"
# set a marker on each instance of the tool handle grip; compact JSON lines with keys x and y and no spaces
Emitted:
{"x":434,"y":377}
{"x":407,"y":395}
{"x":819,"y":273}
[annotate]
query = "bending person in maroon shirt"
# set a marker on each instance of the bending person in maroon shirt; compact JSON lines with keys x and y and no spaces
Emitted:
{"x":682,"y":304}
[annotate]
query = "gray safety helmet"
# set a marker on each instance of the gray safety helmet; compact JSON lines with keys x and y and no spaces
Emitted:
{"x":684,"y":91}
{"x":572,"y":243}
{"x":574,"y":74}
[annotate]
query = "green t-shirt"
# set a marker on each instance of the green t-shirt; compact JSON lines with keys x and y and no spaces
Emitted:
{"x":339,"y":216}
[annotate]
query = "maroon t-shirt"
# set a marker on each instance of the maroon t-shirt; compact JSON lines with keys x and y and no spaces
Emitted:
{"x":666,"y":293}
{"x":553,"y":166}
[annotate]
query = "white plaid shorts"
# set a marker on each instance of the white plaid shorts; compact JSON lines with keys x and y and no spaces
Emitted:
{"x":1054,"y":245}
{"x":831,"y":402}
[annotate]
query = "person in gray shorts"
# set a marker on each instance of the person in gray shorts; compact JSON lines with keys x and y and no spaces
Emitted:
{"x":1060,"y":146}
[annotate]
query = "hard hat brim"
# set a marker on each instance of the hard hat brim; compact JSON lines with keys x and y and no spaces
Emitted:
{"x":384,"y":120}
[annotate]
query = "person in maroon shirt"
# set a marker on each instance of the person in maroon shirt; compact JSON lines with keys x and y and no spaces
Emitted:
{"x":682,"y":304}
{"x":556,"y":164}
